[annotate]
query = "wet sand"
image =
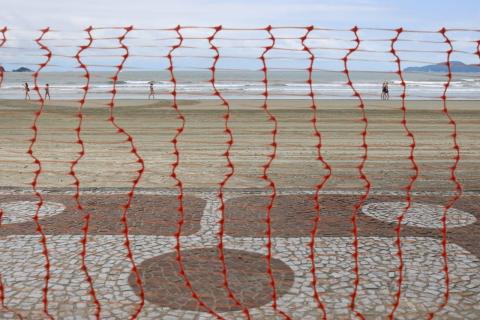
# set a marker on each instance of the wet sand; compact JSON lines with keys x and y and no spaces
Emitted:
{"x":108,"y":162}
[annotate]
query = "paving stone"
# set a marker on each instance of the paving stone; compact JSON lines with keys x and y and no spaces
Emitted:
{"x":152,"y":218}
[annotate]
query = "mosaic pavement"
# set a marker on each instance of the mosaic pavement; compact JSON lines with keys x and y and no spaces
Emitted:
{"x":152,"y":223}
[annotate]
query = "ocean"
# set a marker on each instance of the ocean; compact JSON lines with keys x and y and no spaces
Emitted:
{"x":244,"y":85}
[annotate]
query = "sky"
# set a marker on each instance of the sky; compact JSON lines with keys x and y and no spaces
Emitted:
{"x":24,"y":18}
{"x":66,"y":14}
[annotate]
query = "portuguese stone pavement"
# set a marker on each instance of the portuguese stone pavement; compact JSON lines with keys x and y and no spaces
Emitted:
{"x":152,"y":223}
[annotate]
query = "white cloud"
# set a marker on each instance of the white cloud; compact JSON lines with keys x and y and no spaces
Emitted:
{"x":25,"y":18}
{"x":147,"y":13}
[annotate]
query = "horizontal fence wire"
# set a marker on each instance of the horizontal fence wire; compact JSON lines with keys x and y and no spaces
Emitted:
{"x":239,"y":49}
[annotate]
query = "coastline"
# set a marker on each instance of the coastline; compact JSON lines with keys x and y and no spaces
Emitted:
{"x":249,"y":104}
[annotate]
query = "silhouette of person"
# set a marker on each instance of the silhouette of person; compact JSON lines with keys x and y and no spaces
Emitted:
{"x":152,"y":91}
{"x":385,"y":94}
{"x":47,"y":91}
{"x":27,"y":91}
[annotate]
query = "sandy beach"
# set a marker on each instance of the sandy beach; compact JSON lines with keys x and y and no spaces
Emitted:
{"x":108,"y":162}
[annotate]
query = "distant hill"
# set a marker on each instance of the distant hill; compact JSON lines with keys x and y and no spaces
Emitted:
{"x":22,"y":69}
{"x":457,"y":66}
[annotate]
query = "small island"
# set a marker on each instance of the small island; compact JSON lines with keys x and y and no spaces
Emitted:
{"x":22,"y":69}
{"x":456,"y":66}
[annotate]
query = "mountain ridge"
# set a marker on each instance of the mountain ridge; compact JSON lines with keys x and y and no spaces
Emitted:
{"x":456,"y":66}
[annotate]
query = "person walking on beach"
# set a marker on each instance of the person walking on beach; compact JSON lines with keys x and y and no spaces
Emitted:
{"x":27,"y":91}
{"x":47,"y":91}
{"x":385,"y":95}
{"x":152,"y":92}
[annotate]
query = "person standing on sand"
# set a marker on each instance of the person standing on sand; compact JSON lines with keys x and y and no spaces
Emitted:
{"x":385,"y":95}
{"x":152,"y":92}
{"x":47,"y":91}
{"x":27,"y":91}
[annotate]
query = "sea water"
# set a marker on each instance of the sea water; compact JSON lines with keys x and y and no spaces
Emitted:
{"x":243,"y":85}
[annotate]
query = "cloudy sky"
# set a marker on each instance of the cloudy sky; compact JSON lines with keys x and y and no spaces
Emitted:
{"x":336,"y":13}
{"x":24,"y":18}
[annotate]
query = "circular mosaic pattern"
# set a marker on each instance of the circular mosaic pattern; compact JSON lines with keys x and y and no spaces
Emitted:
{"x":247,"y":278}
{"x":419,"y":214}
{"x":23,"y":211}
